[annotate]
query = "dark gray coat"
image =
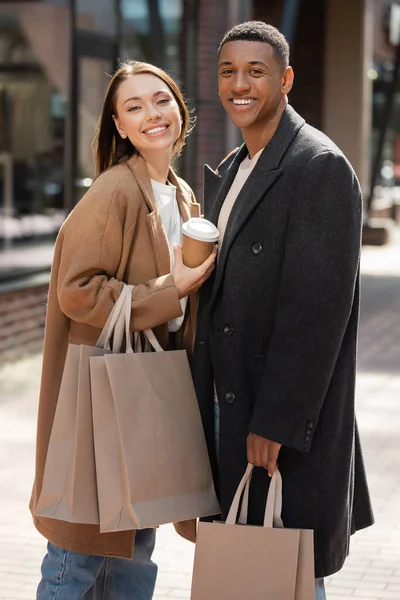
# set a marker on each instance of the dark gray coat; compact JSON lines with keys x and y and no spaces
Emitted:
{"x":277,"y":330}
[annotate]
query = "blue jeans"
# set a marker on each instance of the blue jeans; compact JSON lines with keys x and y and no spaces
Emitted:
{"x":319,"y":583}
{"x":73,"y":576}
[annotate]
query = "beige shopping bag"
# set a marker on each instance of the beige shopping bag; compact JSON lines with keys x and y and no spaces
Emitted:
{"x":69,"y":490}
{"x":151,"y":456}
{"x":239,"y":561}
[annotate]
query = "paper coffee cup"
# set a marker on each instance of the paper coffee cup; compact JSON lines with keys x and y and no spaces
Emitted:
{"x":198,"y":240}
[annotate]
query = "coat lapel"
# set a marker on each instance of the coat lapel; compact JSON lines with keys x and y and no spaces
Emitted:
{"x":264,"y":175}
{"x":216,"y":187}
{"x":187,"y":207}
{"x":157,"y":231}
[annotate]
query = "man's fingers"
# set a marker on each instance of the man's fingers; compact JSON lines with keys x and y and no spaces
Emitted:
{"x":271,"y":466}
{"x":262,"y":452}
{"x":272,"y":457}
{"x":250,"y":451}
{"x":264,"y":456}
{"x":254,"y":451}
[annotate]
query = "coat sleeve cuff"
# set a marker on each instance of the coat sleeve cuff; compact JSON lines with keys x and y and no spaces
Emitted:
{"x":297,"y":436}
{"x":155,"y":305}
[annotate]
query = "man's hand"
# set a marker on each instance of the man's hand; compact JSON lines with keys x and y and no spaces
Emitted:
{"x":262,"y":452}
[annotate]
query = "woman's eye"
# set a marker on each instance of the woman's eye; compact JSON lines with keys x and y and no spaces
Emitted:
{"x":133,"y":108}
{"x":163,"y":101}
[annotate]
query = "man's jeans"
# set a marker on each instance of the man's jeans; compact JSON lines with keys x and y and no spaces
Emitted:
{"x":319,"y":583}
{"x":74,"y":576}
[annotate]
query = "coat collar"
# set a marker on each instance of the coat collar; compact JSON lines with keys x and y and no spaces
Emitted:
{"x":187,"y":208}
{"x":264,"y":175}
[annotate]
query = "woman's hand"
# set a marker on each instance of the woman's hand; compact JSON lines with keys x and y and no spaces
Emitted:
{"x":187,"y":280}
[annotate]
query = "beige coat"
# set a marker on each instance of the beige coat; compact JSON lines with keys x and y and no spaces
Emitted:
{"x":113,"y":235}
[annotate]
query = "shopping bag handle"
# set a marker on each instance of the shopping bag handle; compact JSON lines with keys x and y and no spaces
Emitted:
{"x":273,"y":508}
{"x":118,"y":323}
{"x":123,"y":325}
{"x":114,"y":321}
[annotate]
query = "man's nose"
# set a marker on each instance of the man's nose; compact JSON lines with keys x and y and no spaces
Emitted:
{"x":241,"y":83}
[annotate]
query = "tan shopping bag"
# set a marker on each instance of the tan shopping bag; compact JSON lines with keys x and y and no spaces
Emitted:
{"x":69,"y":490}
{"x":239,"y":561}
{"x":151,"y":456}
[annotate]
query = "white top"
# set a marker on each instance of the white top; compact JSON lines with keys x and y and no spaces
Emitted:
{"x":244,"y":170}
{"x":165,"y":196}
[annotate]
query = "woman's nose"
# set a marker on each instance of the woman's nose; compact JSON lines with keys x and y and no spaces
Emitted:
{"x":152,"y":113}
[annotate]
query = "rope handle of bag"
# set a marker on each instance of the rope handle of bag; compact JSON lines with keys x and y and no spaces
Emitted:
{"x":118,"y":323}
{"x":273,"y":507}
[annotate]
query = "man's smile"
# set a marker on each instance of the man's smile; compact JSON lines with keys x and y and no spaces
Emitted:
{"x":242,"y":103}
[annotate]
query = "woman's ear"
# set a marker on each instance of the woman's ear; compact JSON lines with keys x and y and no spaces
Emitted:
{"x":119,"y":128}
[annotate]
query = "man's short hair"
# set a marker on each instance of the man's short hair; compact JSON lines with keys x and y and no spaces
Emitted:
{"x":258,"y":31}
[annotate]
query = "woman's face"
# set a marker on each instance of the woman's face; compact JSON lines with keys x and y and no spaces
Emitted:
{"x":147,"y":113}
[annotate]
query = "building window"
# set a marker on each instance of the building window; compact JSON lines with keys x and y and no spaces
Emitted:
{"x":151,"y":31}
{"x":34,"y":50}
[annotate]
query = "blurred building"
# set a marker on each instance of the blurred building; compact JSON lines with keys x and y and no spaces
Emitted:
{"x":55,"y":61}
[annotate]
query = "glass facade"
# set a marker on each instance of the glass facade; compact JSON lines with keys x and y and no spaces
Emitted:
{"x":34,"y":41}
{"x":55,"y":60}
{"x":151,"y":31}
{"x":385,"y":135}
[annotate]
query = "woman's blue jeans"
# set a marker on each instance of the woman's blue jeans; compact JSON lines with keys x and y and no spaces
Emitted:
{"x":73,"y":576}
{"x":319,"y":583}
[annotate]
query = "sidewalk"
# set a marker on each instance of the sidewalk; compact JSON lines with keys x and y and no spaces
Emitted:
{"x":372,"y":571}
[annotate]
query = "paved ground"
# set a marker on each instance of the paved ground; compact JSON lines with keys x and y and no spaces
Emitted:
{"x":372,"y":571}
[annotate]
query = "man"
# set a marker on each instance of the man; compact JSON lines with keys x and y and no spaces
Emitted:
{"x":278,"y":321}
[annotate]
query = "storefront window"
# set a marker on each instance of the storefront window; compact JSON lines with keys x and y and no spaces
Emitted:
{"x":162,"y":32}
{"x":151,"y":31}
{"x":34,"y":50}
{"x":93,"y":78}
{"x":97,"y":16}
{"x":96,"y":46}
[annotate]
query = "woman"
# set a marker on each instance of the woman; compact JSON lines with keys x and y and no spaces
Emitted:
{"x":122,"y":231}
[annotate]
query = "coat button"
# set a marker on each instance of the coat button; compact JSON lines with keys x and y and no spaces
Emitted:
{"x":308,"y":432}
{"x":230,"y":397}
{"x":228,"y":330}
{"x":256,"y":248}
{"x":306,"y":439}
{"x":310,"y":425}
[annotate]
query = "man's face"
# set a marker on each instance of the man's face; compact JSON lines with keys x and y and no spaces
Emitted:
{"x":252,"y":83}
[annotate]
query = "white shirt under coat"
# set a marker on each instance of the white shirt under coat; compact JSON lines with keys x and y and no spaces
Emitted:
{"x":165,"y":195}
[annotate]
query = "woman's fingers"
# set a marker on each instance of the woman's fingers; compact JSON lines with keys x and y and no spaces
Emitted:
{"x":178,"y":255}
{"x":187,"y":280}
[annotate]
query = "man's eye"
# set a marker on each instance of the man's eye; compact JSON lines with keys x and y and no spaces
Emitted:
{"x":256,"y":72}
{"x":226,"y":72}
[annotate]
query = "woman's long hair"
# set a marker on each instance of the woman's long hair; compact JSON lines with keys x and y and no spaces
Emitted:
{"x":108,"y":146}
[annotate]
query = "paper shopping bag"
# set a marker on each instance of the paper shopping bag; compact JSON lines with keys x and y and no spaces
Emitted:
{"x":239,"y":561}
{"x":69,"y":489}
{"x":147,"y":425}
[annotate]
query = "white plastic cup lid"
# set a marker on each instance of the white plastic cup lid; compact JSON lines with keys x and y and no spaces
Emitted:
{"x":200,"y":229}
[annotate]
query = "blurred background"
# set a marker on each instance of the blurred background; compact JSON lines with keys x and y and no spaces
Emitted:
{"x":55,"y":60}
